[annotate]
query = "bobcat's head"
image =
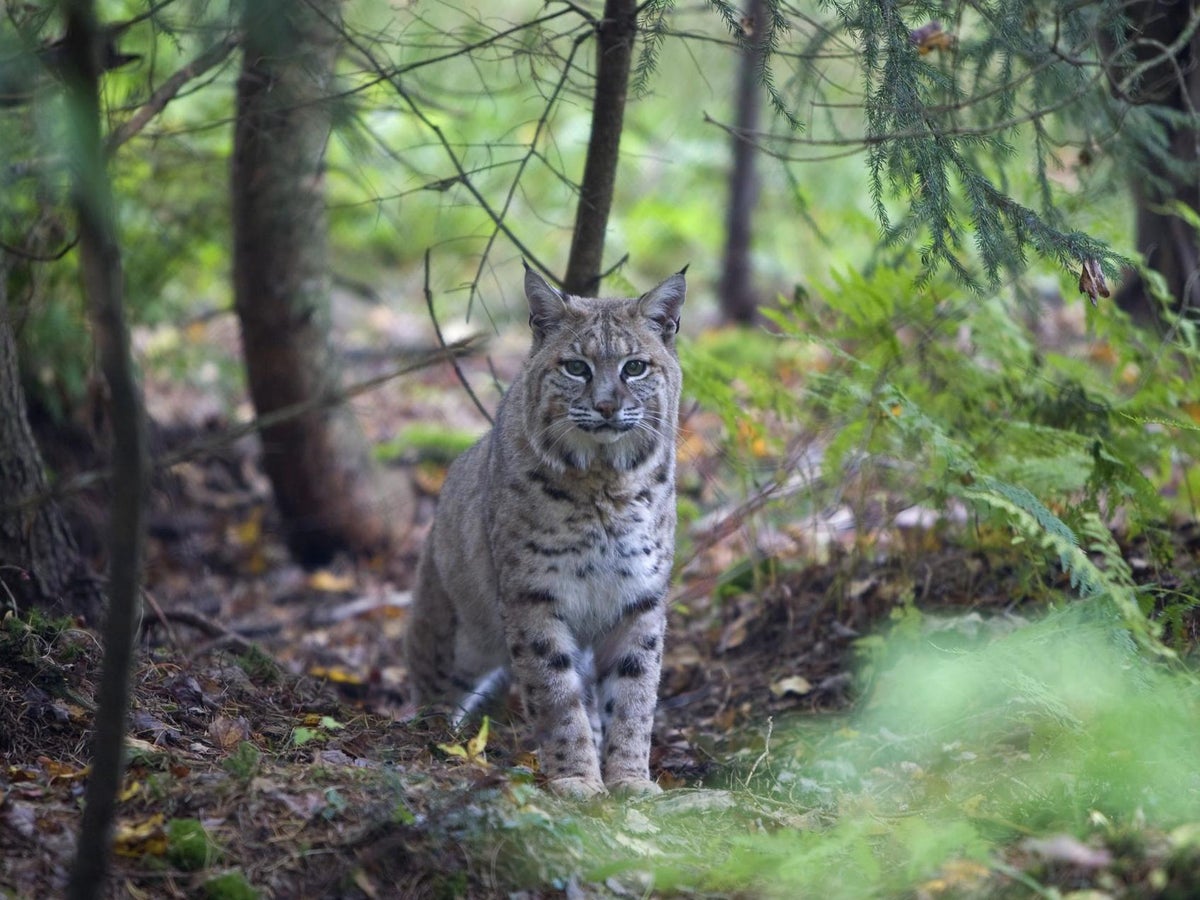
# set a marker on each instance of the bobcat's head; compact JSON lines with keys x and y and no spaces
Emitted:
{"x":603,"y":379}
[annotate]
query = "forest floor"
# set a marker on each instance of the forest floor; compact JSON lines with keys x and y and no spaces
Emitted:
{"x":274,"y":752}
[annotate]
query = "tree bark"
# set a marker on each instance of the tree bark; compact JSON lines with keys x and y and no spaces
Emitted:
{"x":614,"y":54}
{"x":39,"y":561}
{"x":100,"y":261}
{"x":739,"y":300}
{"x":317,"y":462}
{"x":1168,"y":243}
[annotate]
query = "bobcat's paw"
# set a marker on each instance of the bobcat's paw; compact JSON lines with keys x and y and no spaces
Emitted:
{"x":576,"y":787}
{"x":634,"y":787}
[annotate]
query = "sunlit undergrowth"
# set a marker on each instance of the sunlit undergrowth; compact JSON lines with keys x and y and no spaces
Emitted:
{"x":959,"y":758}
{"x":873,"y":395}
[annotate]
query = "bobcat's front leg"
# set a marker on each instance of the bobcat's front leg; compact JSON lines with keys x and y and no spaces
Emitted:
{"x":628,"y":664}
{"x":544,"y":655}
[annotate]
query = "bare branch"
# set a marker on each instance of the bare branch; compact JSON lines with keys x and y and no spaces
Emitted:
{"x":166,"y":92}
{"x":441,"y":340}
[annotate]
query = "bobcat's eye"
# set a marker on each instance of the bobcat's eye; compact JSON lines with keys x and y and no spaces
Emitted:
{"x":634,"y":368}
{"x":577,"y":368}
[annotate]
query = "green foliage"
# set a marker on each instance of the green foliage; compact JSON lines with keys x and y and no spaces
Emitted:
{"x":957,"y":755}
{"x":941,"y":127}
{"x":230,"y":886}
{"x":305,"y":734}
{"x":425,"y":441}
{"x":189,"y":846}
{"x":259,"y":666}
{"x":943,"y":398}
{"x":243,"y":762}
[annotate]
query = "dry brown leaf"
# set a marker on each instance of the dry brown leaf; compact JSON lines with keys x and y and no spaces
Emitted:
{"x":227,"y":733}
{"x":930,"y":37}
{"x":1091,"y":280}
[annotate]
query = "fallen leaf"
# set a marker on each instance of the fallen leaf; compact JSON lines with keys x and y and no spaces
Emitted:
{"x":60,"y":771}
{"x":227,"y":733}
{"x":430,"y":477}
{"x":329,"y":582}
{"x":141,"y":837}
{"x":337,"y":675}
{"x":472,"y":750}
{"x":796,"y":684}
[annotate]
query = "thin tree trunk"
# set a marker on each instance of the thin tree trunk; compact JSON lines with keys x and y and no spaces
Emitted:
{"x":614,"y":54}
{"x":1168,"y":243}
{"x":317,"y":463}
{"x":100,"y":260}
{"x":739,"y":301}
{"x":39,"y":560}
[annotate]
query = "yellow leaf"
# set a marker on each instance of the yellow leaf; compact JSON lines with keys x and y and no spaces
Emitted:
{"x":196,"y":332}
{"x":477,"y":744}
{"x":324,"y":580}
{"x":131,"y":790}
{"x":527,"y":760}
{"x":60,"y":771}
{"x":248,"y":532}
{"x":335,"y":674}
{"x":472,"y":751}
{"x":429,"y":477}
{"x":141,"y":838}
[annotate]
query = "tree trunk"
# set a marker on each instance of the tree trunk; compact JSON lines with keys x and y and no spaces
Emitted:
{"x":39,"y":562}
{"x":100,"y":263}
{"x":317,"y":461}
{"x":614,"y":53}
{"x":1168,"y":243}
{"x":739,"y":301}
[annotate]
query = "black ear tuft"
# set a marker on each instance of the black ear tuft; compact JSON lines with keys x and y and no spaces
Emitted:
{"x":662,"y":304}
{"x":546,"y":304}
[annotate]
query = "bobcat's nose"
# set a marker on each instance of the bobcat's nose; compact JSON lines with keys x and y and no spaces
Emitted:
{"x":606,"y":408}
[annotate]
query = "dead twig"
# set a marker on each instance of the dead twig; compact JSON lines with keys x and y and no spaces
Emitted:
{"x":442,"y":341}
{"x":217,"y":633}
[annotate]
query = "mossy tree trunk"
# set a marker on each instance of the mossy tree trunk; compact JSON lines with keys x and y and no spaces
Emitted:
{"x":317,"y":461}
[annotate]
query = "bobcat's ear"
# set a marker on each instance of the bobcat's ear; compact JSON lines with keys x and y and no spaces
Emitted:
{"x":661,"y":304}
{"x":546,"y":305}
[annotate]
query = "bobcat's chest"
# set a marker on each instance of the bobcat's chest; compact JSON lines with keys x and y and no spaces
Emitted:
{"x":617,"y":554}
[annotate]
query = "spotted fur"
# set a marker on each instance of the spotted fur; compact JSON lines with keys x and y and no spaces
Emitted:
{"x":550,"y":554}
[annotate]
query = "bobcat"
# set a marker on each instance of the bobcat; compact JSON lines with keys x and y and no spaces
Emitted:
{"x":551,"y":550}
